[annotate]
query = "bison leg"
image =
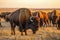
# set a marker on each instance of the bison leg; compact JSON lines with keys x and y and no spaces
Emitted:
{"x":13,"y":29}
{"x":25,"y":31}
{"x":25,"y":28}
{"x":21,"y":29}
{"x":34,"y":29}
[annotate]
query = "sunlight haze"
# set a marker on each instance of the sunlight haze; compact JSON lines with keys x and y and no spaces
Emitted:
{"x":30,"y":3}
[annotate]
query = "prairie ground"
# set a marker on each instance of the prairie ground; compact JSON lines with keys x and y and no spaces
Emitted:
{"x":44,"y":33}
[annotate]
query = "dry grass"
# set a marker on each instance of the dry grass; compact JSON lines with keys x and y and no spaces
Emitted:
{"x":44,"y":33}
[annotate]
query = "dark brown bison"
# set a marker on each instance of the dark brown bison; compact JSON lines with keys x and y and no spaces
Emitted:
{"x":52,"y":17}
{"x":58,"y":22}
{"x":2,"y":15}
{"x":22,"y":18}
{"x":37,"y":16}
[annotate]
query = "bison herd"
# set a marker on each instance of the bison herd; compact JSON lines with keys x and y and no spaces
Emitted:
{"x":25,"y":19}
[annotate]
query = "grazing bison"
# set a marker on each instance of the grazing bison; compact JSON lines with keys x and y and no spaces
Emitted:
{"x":37,"y":16}
{"x":41,"y":19}
{"x":2,"y":15}
{"x":22,"y":18}
{"x":58,"y":22}
{"x":52,"y":17}
{"x":44,"y":19}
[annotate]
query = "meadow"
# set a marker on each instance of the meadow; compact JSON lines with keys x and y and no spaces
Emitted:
{"x":43,"y":33}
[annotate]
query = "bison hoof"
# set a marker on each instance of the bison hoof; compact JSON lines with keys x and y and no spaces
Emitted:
{"x":12,"y":33}
{"x":25,"y":34}
{"x":58,"y":28}
{"x":34,"y":32}
{"x":22,"y":34}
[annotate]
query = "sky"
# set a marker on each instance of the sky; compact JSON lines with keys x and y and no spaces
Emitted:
{"x":30,"y":3}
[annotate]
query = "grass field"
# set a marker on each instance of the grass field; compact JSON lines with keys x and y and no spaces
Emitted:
{"x":44,"y":33}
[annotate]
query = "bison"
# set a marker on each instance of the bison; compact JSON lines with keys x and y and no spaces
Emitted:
{"x":22,"y":18}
